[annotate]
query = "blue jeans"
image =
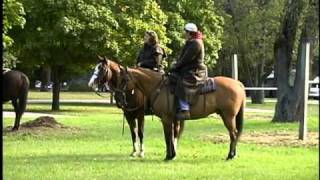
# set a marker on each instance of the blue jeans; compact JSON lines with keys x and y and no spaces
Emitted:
{"x":184,"y":105}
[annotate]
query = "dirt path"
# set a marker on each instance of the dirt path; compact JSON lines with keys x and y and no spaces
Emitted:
{"x":270,"y":139}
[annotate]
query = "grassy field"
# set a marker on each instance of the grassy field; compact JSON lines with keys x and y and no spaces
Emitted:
{"x":94,"y":148}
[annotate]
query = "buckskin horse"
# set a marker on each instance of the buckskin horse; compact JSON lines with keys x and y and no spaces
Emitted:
{"x":15,"y":89}
{"x":227,"y":100}
{"x":131,"y":102}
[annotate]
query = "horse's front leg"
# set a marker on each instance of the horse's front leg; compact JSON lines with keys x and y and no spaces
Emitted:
{"x":168,"y":134}
{"x":178,"y":129}
{"x":133,"y":129}
{"x":140,"y":131}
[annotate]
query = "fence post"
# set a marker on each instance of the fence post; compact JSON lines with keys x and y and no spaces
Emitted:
{"x":235,"y":67}
{"x":305,"y":64}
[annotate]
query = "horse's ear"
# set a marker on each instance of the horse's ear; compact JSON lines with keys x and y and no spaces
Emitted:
{"x":99,"y":57}
{"x":105,"y":60}
{"x":123,"y":69}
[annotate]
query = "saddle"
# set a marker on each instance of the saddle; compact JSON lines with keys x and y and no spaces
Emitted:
{"x":190,"y":91}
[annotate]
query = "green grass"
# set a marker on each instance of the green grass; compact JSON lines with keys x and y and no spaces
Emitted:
{"x":97,"y":150}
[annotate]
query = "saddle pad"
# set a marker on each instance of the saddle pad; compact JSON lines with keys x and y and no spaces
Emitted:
{"x":208,"y":86}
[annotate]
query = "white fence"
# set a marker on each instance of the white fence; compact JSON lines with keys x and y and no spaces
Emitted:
{"x":305,"y":64}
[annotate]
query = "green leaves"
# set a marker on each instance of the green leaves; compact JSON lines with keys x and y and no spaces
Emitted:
{"x":73,"y":32}
{"x":13,"y":16}
{"x":200,"y":12}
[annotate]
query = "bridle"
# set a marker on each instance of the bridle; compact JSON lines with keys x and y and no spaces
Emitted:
{"x":120,"y":89}
{"x":155,"y":91}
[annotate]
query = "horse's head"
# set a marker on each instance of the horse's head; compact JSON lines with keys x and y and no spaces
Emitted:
{"x":101,"y":74}
{"x":125,"y":88}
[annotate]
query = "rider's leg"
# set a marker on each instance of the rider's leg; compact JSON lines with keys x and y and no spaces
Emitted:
{"x":183,"y":112}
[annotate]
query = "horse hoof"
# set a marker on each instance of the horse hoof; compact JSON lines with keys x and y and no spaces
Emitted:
{"x":15,"y":129}
{"x":231,"y":157}
{"x":134,"y":154}
{"x":141,"y":154}
{"x":169,"y":158}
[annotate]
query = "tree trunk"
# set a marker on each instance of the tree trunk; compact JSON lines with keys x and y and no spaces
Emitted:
{"x":45,"y":78}
{"x":55,"y":89}
{"x":257,"y":97}
{"x":289,"y":99}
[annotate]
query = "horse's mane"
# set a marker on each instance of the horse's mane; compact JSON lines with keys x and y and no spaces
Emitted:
{"x":148,"y":72}
{"x":114,"y":65}
{"x":142,"y":71}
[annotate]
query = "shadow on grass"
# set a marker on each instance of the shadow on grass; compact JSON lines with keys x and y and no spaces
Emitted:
{"x":80,"y":158}
{"x":103,"y":158}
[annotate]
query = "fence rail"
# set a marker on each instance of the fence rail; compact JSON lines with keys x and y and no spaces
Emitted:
{"x":261,"y":88}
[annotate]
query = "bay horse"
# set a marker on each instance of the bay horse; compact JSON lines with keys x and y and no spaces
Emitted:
{"x":15,"y":89}
{"x":228,"y":100}
{"x":132,"y":105}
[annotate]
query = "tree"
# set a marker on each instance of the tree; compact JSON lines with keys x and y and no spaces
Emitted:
{"x":201,"y":12}
{"x":249,"y":31}
{"x":68,"y":34}
{"x":290,"y":101}
{"x":13,"y":17}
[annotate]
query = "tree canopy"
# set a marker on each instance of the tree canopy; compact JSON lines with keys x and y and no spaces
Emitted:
{"x":67,"y":35}
{"x":13,"y":16}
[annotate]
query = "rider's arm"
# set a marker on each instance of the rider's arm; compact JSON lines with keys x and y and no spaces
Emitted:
{"x":193,"y":48}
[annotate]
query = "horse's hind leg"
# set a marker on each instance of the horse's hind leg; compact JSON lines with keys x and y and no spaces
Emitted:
{"x":140,"y":132}
{"x":168,"y":134}
{"x":18,"y":114}
{"x":20,"y":106}
{"x":133,"y":129}
{"x":229,"y":122}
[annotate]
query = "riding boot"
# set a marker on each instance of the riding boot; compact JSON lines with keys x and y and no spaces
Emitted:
{"x":183,"y":115}
{"x":183,"y":112}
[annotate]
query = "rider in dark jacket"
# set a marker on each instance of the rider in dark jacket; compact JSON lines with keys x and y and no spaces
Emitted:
{"x":151,"y":55}
{"x":189,"y":68}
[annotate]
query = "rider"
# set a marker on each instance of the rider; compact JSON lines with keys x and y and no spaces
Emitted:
{"x":151,"y":55}
{"x":189,"y":69}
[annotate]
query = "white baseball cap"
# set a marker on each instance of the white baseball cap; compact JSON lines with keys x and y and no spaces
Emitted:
{"x":191,"y":27}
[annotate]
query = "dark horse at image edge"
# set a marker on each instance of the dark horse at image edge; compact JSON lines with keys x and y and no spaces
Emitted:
{"x":15,"y":89}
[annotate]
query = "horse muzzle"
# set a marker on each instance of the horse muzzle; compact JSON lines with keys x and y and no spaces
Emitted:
{"x":92,"y":80}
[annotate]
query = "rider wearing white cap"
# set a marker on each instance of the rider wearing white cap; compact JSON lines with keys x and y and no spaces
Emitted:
{"x":190,"y":69}
{"x":191,"y":27}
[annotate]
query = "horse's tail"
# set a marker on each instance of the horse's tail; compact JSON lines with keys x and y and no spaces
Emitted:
{"x":24,"y":93}
{"x":239,"y":119}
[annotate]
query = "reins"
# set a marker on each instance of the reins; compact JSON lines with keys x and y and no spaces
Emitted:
{"x":100,"y":94}
{"x":156,"y":89}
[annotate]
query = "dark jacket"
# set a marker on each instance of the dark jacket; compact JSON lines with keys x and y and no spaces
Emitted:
{"x":190,"y":71}
{"x":151,"y":57}
{"x":190,"y":65}
{"x":191,"y":57}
